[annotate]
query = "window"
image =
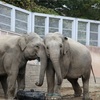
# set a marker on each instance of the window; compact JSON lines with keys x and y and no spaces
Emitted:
{"x":67,"y":28}
{"x":21,"y":22}
{"x":82,"y":28}
{"x":40,"y":25}
{"x":53,"y":25}
{"x":93,"y":34}
{"x":5,"y":18}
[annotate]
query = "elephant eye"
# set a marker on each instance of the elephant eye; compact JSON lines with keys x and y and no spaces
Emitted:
{"x":47,"y":47}
{"x":37,"y":46}
{"x":60,"y":45}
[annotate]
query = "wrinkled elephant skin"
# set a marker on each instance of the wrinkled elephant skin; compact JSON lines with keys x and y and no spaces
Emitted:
{"x":15,"y":51}
{"x":67,"y":59}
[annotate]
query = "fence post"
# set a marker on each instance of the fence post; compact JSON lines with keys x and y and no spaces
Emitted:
{"x":13,"y":19}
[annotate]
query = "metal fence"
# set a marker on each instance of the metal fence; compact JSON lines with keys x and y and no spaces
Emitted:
{"x":22,"y":21}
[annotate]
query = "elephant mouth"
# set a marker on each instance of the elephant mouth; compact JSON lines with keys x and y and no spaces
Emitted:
{"x":38,"y":58}
{"x":48,"y":55}
{"x":32,"y":57}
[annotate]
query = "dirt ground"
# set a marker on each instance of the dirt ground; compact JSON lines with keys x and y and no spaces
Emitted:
{"x":67,"y":93}
{"x":94,"y":90}
{"x":94,"y":95}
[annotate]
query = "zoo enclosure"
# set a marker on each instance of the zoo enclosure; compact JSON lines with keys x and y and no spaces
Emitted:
{"x":16,"y":21}
{"x":21,"y":21}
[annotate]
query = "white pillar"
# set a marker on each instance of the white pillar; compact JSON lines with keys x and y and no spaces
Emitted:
{"x":13,"y":19}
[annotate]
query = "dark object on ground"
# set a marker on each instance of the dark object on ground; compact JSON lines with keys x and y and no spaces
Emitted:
{"x":30,"y":95}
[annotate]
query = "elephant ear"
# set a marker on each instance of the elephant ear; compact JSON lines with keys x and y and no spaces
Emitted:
{"x":22,"y":43}
{"x":65,"y":45}
{"x":47,"y":52}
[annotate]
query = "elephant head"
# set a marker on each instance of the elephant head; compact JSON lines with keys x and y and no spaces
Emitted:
{"x":33,"y":48}
{"x":55,"y":49}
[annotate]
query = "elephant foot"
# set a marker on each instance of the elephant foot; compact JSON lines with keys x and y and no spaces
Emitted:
{"x":78,"y":93}
{"x":53,"y":96}
{"x":5,"y":96}
{"x":86,"y":96}
{"x":49,"y":96}
{"x":56,"y":96}
{"x":87,"y":99}
{"x":10,"y":98}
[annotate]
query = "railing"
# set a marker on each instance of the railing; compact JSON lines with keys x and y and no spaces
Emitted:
{"x":5,"y":32}
{"x":21,"y":21}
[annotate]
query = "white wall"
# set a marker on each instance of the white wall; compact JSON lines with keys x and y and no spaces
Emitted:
{"x":22,"y":21}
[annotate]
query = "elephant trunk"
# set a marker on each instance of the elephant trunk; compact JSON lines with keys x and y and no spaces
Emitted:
{"x":57,"y":68}
{"x":43,"y":59}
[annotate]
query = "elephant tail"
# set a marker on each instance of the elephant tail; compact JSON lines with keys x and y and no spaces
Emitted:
{"x":93,"y":74}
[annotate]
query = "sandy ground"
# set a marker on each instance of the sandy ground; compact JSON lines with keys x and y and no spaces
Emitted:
{"x":67,"y":93}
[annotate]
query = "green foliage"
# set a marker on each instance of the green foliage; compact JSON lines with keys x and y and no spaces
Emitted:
{"x":31,"y":6}
{"x":83,"y":9}
{"x":89,"y":9}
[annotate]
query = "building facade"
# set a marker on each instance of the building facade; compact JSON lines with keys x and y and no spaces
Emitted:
{"x":22,"y":21}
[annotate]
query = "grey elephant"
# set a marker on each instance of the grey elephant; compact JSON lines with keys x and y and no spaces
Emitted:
{"x":67,"y":59}
{"x":15,"y":51}
{"x":3,"y":81}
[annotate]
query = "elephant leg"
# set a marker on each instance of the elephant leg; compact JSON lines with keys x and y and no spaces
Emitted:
{"x":57,"y":88}
{"x":76,"y":87}
{"x":11,"y":66}
{"x":11,"y":79}
{"x":4,"y":85}
{"x":85,"y":88}
{"x":50,"y":80}
{"x":21,"y":79}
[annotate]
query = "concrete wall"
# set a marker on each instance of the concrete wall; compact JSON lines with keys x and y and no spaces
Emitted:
{"x":95,"y":54}
{"x":32,"y":76}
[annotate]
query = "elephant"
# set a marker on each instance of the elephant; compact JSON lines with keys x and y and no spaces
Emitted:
{"x":67,"y":59}
{"x":15,"y":51}
{"x":3,"y":80}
